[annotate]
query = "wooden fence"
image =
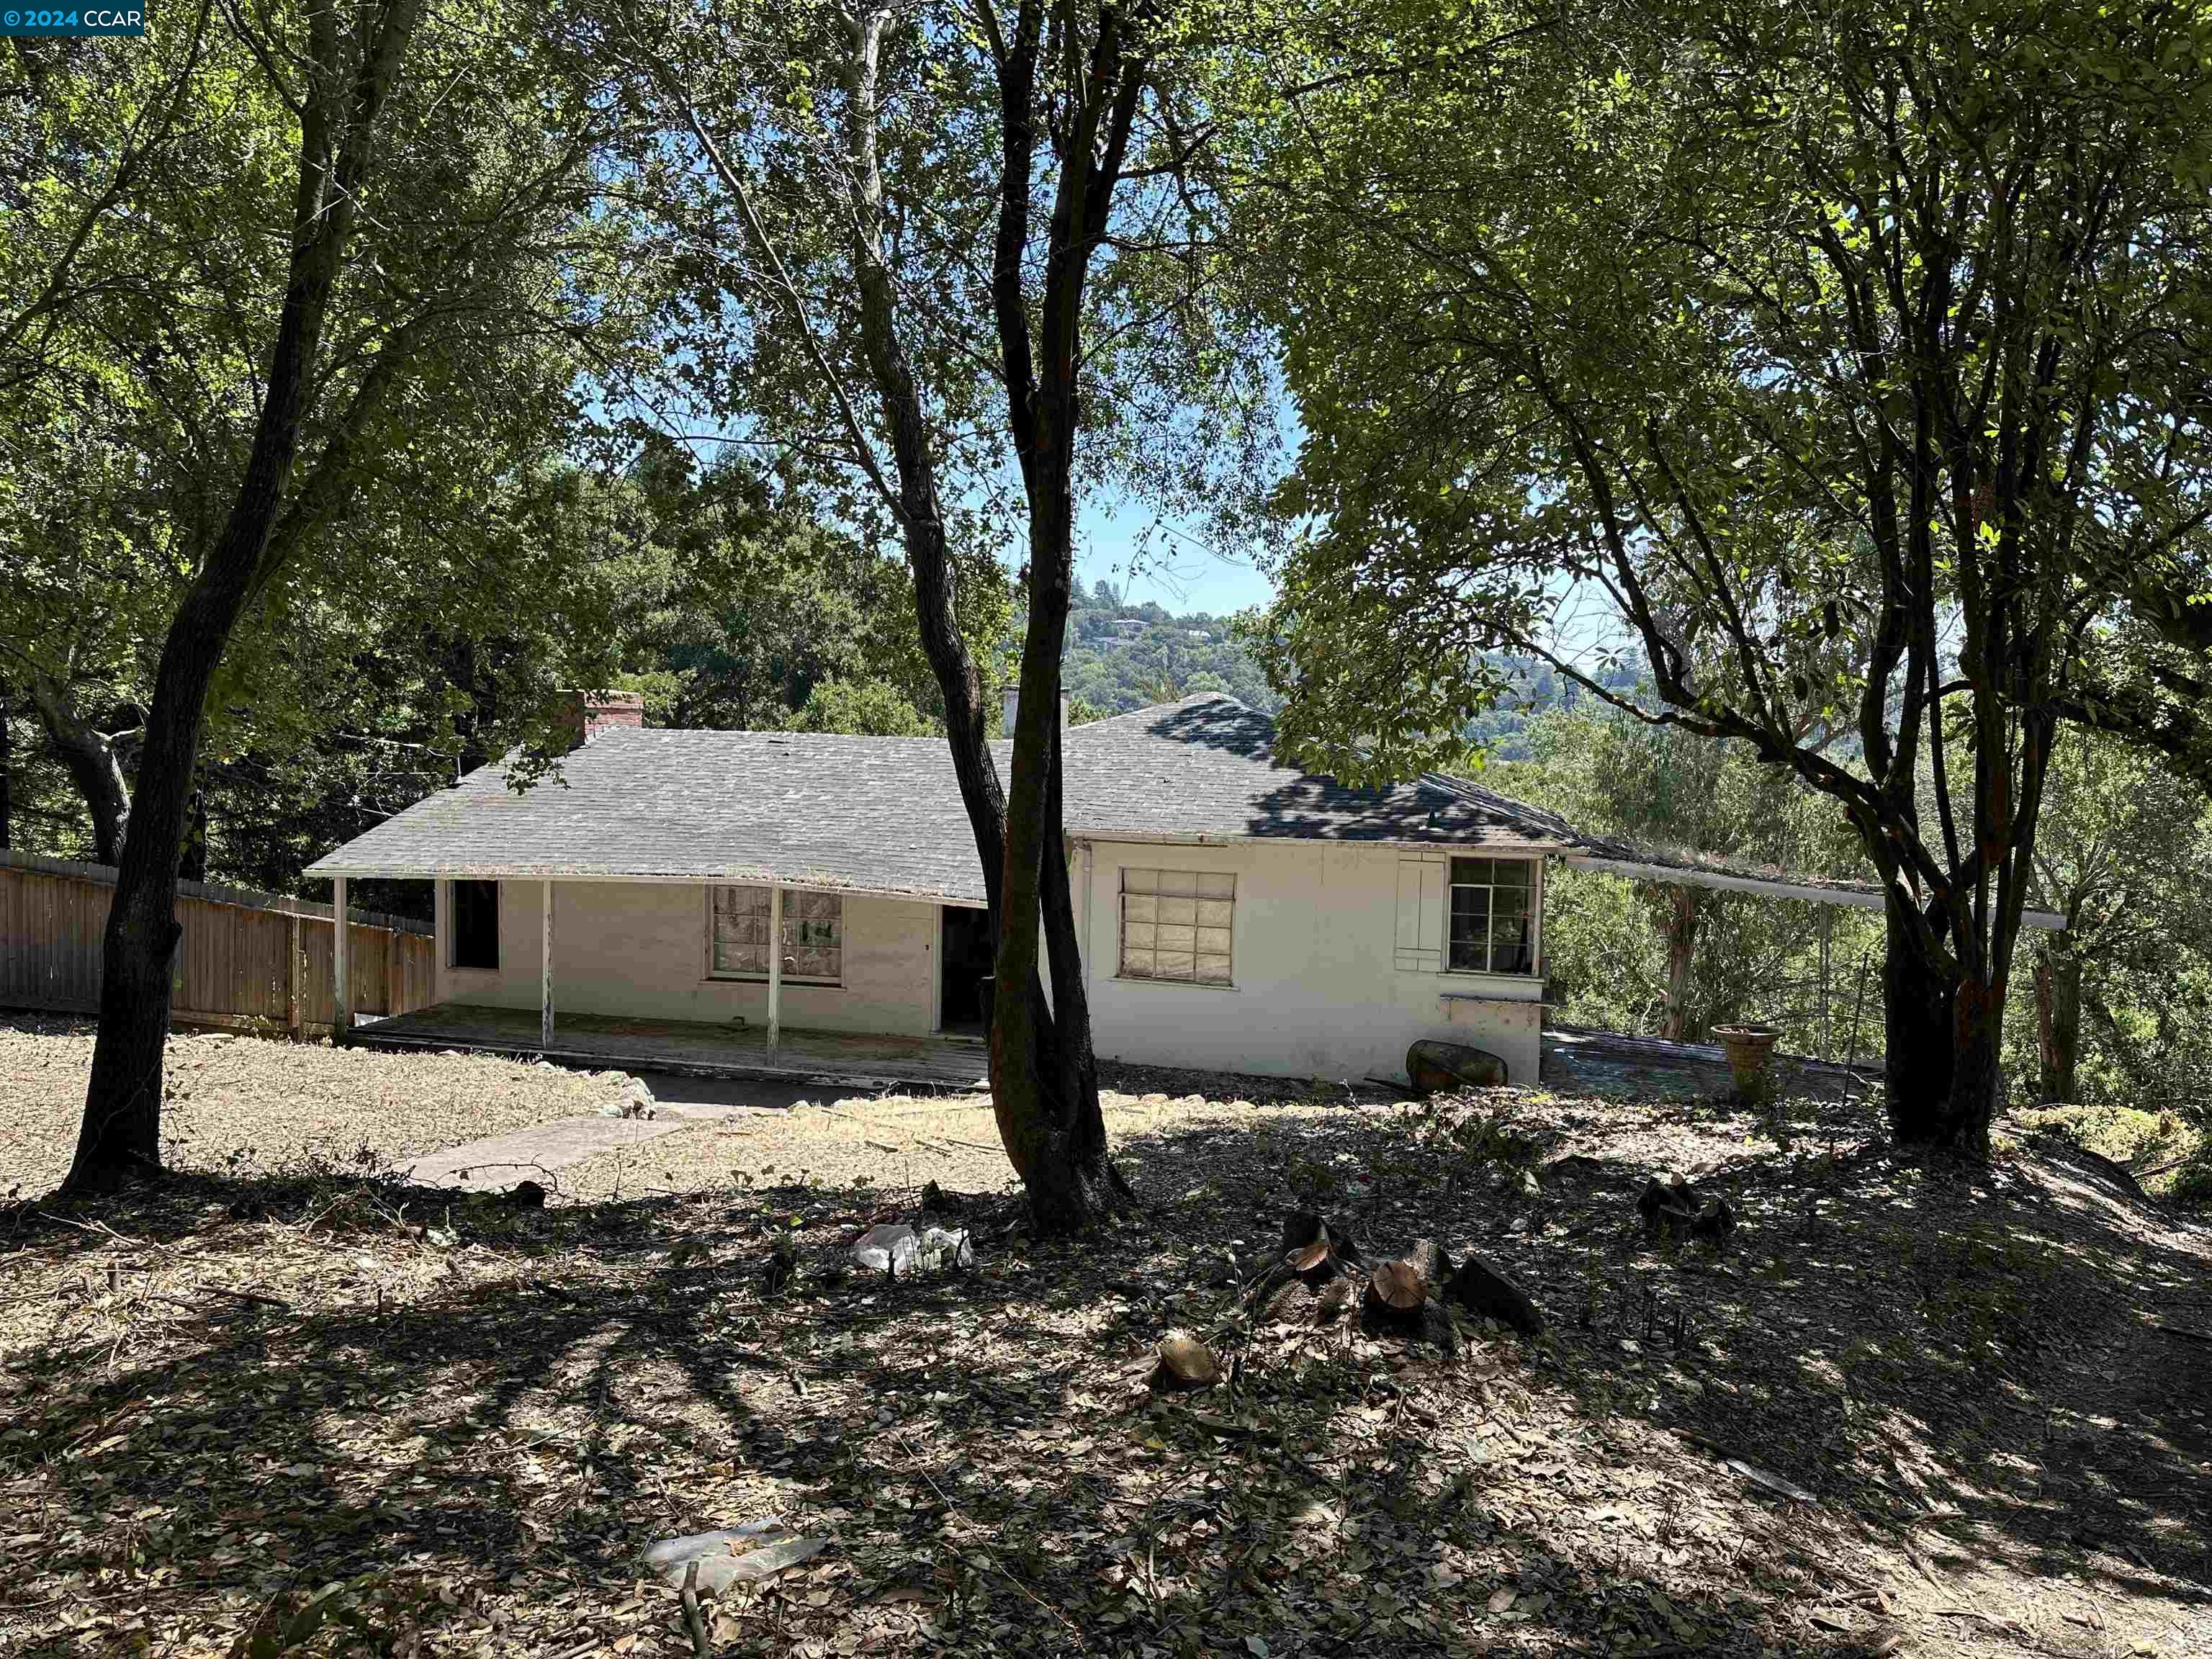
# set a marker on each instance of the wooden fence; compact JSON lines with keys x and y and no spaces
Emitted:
{"x":246,"y":959}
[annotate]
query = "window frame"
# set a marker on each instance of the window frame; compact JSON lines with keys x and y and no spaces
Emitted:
{"x":732,"y":977}
{"x":1531,"y":921}
{"x":1198,"y":879}
{"x":453,"y":885}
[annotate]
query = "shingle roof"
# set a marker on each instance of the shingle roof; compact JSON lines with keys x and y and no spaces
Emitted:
{"x":884,"y":815}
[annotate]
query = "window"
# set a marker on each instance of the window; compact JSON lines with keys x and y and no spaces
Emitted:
{"x":813,"y":944}
{"x":475,"y":924}
{"x":1491,"y":915}
{"x":1176,"y":925}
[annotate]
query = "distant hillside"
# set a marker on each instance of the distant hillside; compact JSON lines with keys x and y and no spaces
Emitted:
{"x":1122,"y":657}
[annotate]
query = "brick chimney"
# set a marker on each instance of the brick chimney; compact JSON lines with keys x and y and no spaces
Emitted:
{"x":588,"y":716}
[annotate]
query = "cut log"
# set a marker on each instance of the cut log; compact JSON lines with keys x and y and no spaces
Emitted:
{"x":1659,"y":1197}
{"x":1716,"y":1221}
{"x":1395,"y":1293}
{"x":1434,"y":1261}
{"x":1439,"y":1067}
{"x":1305,"y":1241}
{"x":1481,"y":1289}
{"x":1186,"y":1363}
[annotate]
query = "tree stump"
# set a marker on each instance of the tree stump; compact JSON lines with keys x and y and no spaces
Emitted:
{"x":1185,"y":1363}
{"x":1396,"y":1292}
{"x":1481,"y":1289}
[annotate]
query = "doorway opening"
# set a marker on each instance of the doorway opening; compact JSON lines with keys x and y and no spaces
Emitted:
{"x":967,"y":951}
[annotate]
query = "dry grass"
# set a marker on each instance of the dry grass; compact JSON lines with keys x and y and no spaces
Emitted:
{"x":895,"y":1144}
{"x":242,"y":1104}
{"x":476,"y":1430}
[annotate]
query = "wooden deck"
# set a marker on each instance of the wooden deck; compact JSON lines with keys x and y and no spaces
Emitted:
{"x":604,"y":1042}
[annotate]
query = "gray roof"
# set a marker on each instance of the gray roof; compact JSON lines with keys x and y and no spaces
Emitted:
{"x":883,"y":815}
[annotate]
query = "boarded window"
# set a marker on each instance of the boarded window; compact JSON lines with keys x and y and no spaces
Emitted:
{"x":1493,"y":917}
{"x":812,"y":946}
{"x":475,"y":924}
{"x":1177,"y":924}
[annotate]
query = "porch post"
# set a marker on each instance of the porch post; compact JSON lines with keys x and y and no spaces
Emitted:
{"x":775,"y":967}
{"x":341,"y":990}
{"x":545,"y":971}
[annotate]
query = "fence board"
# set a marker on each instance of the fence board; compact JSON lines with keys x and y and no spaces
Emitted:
{"x":233,"y":963}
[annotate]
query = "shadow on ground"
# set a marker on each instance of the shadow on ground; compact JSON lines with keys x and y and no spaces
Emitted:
{"x":286,"y":1382}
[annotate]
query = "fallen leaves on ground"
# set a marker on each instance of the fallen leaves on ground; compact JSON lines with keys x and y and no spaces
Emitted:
{"x":222,"y":1397}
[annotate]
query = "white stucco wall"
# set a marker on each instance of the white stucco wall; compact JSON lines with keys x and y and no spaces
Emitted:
{"x":1317,"y":988}
{"x":640,"y":949}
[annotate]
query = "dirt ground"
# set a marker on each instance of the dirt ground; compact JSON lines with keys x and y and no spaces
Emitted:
{"x":1905,"y":1408}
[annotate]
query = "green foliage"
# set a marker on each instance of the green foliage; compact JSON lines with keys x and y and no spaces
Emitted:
{"x":1606,"y":937}
{"x":1119,"y":656}
{"x":413,"y":618}
{"x":2124,"y":853}
{"x":870,"y":709}
{"x":1830,"y":354}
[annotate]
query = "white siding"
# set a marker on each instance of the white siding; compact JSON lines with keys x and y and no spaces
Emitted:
{"x":1337,"y":954}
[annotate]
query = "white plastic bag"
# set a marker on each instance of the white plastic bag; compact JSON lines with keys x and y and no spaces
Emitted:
{"x":888,"y":1247}
{"x":894,"y":1248}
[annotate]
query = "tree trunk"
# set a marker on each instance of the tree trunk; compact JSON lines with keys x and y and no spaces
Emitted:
{"x":90,"y":760}
{"x":1043,"y":1072}
{"x":1917,"y":997}
{"x":2058,"y":1019}
{"x":193,"y":865}
{"x":1680,"y":926}
{"x":7,"y":776}
{"x":121,"y":1133}
{"x":1977,"y":1071}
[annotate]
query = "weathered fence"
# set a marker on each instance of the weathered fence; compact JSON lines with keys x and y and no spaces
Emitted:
{"x":246,"y":959}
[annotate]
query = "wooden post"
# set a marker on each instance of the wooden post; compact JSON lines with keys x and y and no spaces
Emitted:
{"x":1827,"y":923}
{"x":295,"y":982}
{"x":545,"y":974}
{"x":341,"y":991}
{"x":394,"y":964}
{"x":775,"y":967}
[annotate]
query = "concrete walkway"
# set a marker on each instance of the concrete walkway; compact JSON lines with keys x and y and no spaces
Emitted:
{"x":499,"y":1161}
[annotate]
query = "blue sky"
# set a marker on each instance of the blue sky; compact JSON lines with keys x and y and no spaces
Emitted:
{"x":1171,"y":566}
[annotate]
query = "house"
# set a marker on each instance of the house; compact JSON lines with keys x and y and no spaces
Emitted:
{"x":1236,"y":914}
{"x":796,"y":904}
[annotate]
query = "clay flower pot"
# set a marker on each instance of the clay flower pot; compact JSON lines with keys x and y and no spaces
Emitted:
{"x":1749,"y":1048}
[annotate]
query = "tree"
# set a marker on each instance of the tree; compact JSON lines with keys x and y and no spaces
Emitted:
{"x":960,"y":210}
{"x":1838,"y":357}
{"x":1670,"y":789}
{"x":2125,"y":856}
{"x":349,"y":324}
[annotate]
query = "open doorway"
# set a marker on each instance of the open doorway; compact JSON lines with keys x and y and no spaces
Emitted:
{"x":967,"y":947}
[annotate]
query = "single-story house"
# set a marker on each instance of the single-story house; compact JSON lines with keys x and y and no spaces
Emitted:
{"x":1236,"y":913}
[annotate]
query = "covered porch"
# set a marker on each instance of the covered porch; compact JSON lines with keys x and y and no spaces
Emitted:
{"x":606,"y":1043}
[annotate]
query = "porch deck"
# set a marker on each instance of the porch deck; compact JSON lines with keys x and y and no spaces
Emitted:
{"x":689,"y":1048}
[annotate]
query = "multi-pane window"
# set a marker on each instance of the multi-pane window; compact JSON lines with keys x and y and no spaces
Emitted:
{"x":813,"y":943}
{"x":1492,"y":917}
{"x":1176,"y":925}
